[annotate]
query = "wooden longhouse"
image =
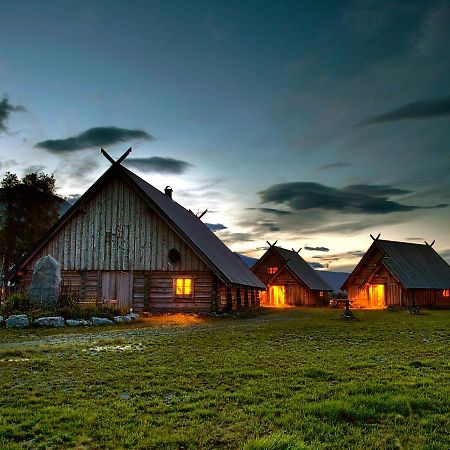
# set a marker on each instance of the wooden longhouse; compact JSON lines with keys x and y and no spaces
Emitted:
{"x":399,"y":274}
{"x":290,"y":280}
{"x":124,"y":240}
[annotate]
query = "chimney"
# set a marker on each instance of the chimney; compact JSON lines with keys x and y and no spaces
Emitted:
{"x":168,"y":191}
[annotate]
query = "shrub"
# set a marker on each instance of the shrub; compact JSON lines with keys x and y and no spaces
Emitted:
{"x":16,"y":303}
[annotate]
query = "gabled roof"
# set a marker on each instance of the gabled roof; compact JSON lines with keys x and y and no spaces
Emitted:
{"x":216,"y":255}
{"x":415,"y":266}
{"x":300,"y":268}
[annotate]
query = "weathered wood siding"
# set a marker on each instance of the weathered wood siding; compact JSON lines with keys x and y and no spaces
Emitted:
{"x":117,"y":230}
{"x":271,"y":260}
{"x":162,"y":292}
{"x":395,"y":294}
{"x":296,"y":293}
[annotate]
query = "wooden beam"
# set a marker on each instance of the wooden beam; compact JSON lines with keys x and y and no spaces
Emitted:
{"x":375,"y":239}
{"x":271,"y":245}
{"x":430,"y":245}
{"x":105,"y":154}
{"x":123,"y":156}
{"x":203,"y":213}
{"x":297,"y":251}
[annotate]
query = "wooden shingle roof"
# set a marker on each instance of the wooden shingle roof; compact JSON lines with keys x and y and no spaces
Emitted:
{"x":415,"y":266}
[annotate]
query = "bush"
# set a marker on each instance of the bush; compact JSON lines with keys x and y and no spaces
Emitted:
{"x":86,"y":312}
{"x":17,"y":303}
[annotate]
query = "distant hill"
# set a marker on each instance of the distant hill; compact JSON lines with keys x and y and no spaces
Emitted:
{"x":334,"y":279}
{"x":248,"y":260}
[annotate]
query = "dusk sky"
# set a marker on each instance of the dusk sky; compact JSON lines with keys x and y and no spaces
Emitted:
{"x":311,"y":123}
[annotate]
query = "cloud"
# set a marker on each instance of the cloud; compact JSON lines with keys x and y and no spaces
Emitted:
{"x":216,"y":226}
{"x":6,"y":108}
{"x":316,"y":249}
{"x":159,"y":165}
{"x":93,"y":138}
{"x":33,"y":168}
{"x":316,"y":265}
{"x":277,"y":212}
{"x":425,"y":109}
{"x":76,"y":172}
{"x":367,"y":199}
{"x":337,"y":165}
{"x":72,"y":199}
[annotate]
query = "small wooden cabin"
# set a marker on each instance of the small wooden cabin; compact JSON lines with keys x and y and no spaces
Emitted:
{"x":399,"y":274}
{"x":126,"y":241}
{"x":290,"y":280}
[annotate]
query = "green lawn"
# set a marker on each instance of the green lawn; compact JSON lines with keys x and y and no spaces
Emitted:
{"x":300,"y":378}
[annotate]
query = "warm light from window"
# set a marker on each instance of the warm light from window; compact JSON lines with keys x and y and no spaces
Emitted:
{"x":272,"y":270}
{"x":183,"y":286}
{"x":446,"y":293}
{"x":321,"y":293}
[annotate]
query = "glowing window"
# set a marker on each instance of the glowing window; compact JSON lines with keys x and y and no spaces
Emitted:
{"x":321,"y":293}
{"x":183,"y":286}
{"x":272,"y":270}
{"x":446,"y":293}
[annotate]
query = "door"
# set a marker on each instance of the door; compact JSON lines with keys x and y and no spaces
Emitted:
{"x":117,"y":288}
{"x":377,"y":296}
{"x":277,"y":295}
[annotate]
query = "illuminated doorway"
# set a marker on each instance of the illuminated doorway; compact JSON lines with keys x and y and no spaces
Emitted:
{"x":376,"y":296}
{"x":277,"y":296}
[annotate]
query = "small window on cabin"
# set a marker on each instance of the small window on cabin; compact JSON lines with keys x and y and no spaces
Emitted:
{"x":321,"y":294}
{"x":183,"y":287}
{"x":446,"y":293}
{"x":272,"y":270}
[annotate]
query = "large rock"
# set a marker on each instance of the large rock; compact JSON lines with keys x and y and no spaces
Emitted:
{"x":46,"y":282}
{"x":122,"y":319}
{"x":133,"y":316}
{"x":78,"y":323}
{"x":101,"y":321}
{"x":54,"y":322}
{"x":17,"y":321}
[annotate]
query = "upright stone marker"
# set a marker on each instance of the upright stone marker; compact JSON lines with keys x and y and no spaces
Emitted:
{"x":46,"y":282}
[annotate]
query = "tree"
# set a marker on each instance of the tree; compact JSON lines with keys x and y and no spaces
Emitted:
{"x":29,"y":207}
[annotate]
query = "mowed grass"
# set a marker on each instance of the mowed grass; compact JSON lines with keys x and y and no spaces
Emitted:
{"x":293,"y":379}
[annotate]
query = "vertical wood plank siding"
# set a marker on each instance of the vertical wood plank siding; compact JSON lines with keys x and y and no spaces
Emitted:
{"x":296,"y":293}
{"x":116,"y":230}
{"x":116,"y":238}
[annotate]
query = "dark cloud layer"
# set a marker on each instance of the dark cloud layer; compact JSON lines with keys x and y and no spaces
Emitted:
{"x":316,"y":249}
{"x":93,"y":138}
{"x":277,"y":212}
{"x":216,"y":226}
{"x":337,"y":165}
{"x":426,"y":109}
{"x":368,"y":199}
{"x":157,"y":164}
{"x":6,"y":108}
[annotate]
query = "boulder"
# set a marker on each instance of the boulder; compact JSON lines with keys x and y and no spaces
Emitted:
{"x":78,"y":323}
{"x":17,"y":321}
{"x":54,"y":322}
{"x":122,"y":319}
{"x":101,"y":321}
{"x":133,"y":316}
{"x":46,"y":282}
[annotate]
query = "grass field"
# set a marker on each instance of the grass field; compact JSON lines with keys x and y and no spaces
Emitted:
{"x":293,"y":379}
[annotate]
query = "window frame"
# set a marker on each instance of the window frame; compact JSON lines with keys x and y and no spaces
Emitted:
{"x":184,"y":295}
{"x":272,"y":270}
